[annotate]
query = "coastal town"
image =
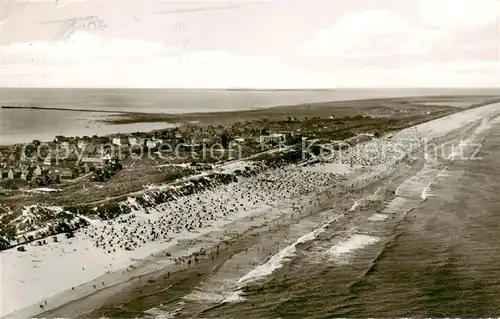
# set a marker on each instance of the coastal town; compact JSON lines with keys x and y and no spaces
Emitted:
{"x":124,"y":195}
{"x":65,"y":159}
{"x":67,"y":170}
{"x":97,"y":158}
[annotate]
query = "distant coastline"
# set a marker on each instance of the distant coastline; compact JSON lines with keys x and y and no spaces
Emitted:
{"x":65,"y":109}
{"x":84,"y":112}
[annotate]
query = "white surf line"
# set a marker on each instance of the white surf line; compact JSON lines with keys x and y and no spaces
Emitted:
{"x":277,"y":261}
{"x":352,"y":243}
{"x":373,"y":197}
{"x":378,"y":217}
{"x":418,"y":182}
{"x":426,"y":191}
{"x":160,"y":314}
{"x":402,"y":200}
{"x":356,"y":204}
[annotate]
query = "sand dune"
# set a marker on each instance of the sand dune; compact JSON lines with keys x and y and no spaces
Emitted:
{"x":52,"y":275}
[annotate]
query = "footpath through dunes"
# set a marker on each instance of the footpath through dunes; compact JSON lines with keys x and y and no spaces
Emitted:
{"x":225,"y":234}
{"x":431,"y":250}
{"x":320,"y":265}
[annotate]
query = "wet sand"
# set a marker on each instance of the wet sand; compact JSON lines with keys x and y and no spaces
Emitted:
{"x":410,"y":270}
{"x":440,"y":260}
{"x":331,"y":205}
{"x":174,"y":282}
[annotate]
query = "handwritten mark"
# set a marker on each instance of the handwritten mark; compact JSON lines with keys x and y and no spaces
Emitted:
{"x":179,"y":43}
{"x":70,"y":26}
{"x":177,"y":35}
{"x":177,"y":27}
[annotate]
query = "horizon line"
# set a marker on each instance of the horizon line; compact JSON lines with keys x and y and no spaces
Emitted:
{"x":255,"y":88}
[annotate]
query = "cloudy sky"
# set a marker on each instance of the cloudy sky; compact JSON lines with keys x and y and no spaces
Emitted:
{"x":278,"y":44}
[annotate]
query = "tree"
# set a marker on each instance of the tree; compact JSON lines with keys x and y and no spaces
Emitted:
{"x":225,"y":140}
{"x":30,"y":150}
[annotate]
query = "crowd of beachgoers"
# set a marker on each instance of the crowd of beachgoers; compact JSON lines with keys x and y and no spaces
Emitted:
{"x":115,"y":245}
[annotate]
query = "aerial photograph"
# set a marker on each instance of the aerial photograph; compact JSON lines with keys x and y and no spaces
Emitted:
{"x":249,"y":159}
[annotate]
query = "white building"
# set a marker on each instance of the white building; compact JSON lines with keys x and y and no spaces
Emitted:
{"x":151,"y":144}
{"x":49,"y":160}
{"x":25,"y":174}
{"x":14,"y":173}
{"x":81,"y":144}
{"x":39,"y":170}
{"x":278,"y":138}
{"x":135,"y":140}
{"x":120,"y":141}
{"x":93,"y":160}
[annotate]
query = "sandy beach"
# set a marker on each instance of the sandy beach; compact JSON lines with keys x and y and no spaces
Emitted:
{"x":255,"y":159}
{"x":208,"y":230}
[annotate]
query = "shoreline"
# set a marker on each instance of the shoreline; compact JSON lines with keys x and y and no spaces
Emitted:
{"x":462,"y":117}
{"x":280,"y":112}
{"x":315,"y":109}
{"x":230,"y":239}
{"x":13,"y":107}
{"x":153,"y":263}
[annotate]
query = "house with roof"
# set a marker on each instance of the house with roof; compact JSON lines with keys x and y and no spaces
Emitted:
{"x":27,"y":173}
{"x":106,"y":158}
{"x":87,"y":167}
{"x":64,"y":145}
{"x":60,"y":139}
{"x":152,"y":144}
{"x":239,"y":140}
{"x":55,"y":176}
{"x":96,"y":161}
{"x":12,"y":159}
{"x":132,"y":140}
{"x":80,"y":144}
{"x":120,"y":141}
{"x":40,"y":170}
{"x":4,"y":173}
{"x":50,"y":161}
{"x":14,"y":172}
{"x":276,"y":137}
{"x":90,"y":149}
{"x":66,"y":174}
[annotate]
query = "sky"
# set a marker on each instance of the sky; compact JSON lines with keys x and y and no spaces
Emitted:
{"x":259,"y":44}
